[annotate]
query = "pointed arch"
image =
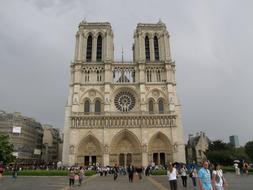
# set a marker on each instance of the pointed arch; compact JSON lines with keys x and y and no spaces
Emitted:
{"x":147,"y":50}
{"x":160,"y":149}
{"x":89,"y":151}
{"x":156,"y":48}
{"x":160,"y":105}
{"x":151,"y":105}
{"x":99,"y":48}
{"x":86,"y":106}
{"x":125,"y":143}
{"x":97,"y":106}
{"x":89,"y":48}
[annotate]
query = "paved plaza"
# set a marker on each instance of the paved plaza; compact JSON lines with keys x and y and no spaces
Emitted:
{"x":97,"y":183}
{"x":234,"y":182}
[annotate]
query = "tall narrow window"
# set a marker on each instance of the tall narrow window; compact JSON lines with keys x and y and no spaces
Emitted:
{"x":160,"y":106}
{"x":99,"y":48}
{"x":156,"y":48}
{"x":97,"y":106}
{"x":89,"y":49}
{"x":147,"y":51}
{"x":86,"y":106}
{"x":158,"y":75}
{"x":98,"y":76}
{"x":151,"y":106}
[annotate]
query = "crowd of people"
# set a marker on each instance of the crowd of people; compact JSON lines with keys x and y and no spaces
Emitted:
{"x":208,"y":177}
{"x":241,"y":167}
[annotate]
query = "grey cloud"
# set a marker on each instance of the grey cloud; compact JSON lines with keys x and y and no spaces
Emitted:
{"x":211,"y":43}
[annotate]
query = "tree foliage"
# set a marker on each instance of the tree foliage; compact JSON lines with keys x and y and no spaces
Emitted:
{"x":249,"y":149}
{"x":221,"y":157}
{"x":225,"y":153}
{"x":6,"y":149}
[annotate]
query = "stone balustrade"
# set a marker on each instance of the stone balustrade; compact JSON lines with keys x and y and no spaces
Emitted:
{"x":82,"y":120}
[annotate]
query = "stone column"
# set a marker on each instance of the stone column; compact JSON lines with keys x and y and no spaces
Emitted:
{"x":84,"y":48}
{"x":108,"y":81}
{"x":80,"y":47}
{"x":77,"y":45}
{"x":94,"y":49}
{"x":141,"y":48}
{"x":166,"y":46}
{"x":151,"y":48}
{"x":125,"y":159}
{"x":161,"y":47}
{"x":106,"y":159}
{"x":90,"y":160}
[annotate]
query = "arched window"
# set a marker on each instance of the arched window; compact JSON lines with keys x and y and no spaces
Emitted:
{"x":97,"y":106}
{"x":160,"y":106}
{"x":99,"y":48}
{"x":151,"y":106}
{"x":156,"y":48}
{"x":147,"y":51}
{"x":89,"y":49}
{"x":86,"y":106}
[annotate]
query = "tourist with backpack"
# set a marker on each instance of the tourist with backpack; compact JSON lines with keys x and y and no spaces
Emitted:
{"x":218,"y":178}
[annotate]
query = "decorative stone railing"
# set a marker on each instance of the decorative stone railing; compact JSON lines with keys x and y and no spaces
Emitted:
{"x":124,"y":72}
{"x":82,"y":120}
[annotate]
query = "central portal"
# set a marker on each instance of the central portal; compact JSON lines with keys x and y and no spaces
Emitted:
{"x":125,"y":149}
{"x":125,"y":159}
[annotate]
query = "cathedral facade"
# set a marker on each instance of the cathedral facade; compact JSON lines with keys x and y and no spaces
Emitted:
{"x":122,"y":112}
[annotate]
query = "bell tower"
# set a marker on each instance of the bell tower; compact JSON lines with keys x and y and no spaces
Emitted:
{"x":151,"y":43}
{"x":94,"y":43}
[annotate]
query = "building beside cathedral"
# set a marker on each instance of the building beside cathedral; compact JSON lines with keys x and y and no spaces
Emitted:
{"x":122,"y":112}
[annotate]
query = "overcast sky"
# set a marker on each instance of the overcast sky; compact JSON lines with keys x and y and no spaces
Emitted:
{"x":211,"y":42}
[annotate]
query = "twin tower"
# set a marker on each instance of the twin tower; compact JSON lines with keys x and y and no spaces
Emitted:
{"x":94,"y":43}
{"x":122,"y":112}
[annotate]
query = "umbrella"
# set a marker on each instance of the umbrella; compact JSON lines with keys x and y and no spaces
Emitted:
{"x":238,"y":161}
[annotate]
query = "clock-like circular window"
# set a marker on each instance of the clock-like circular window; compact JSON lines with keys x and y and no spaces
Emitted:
{"x":124,"y":101}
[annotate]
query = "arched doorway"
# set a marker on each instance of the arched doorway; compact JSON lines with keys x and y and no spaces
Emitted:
{"x":89,"y":152}
{"x":159,"y":149}
{"x":125,"y":149}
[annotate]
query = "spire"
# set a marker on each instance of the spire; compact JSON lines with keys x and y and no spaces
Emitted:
{"x":122,"y":55}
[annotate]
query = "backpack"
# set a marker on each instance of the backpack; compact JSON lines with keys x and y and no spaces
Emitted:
{"x":217,"y":178}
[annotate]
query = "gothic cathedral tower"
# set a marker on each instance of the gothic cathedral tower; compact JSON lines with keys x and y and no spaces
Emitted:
{"x":122,"y":112}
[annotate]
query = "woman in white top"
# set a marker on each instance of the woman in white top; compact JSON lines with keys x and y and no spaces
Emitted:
{"x":183,"y":173}
{"x":172,"y":175}
{"x":218,"y":178}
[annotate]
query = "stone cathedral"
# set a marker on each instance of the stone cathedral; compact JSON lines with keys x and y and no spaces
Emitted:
{"x":122,"y":112}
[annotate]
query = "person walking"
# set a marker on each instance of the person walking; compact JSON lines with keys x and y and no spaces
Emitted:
{"x":139,"y":172}
{"x":183,"y":172}
{"x":130,"y":171}
{"x":172,"y":175}
{"x":147,"y":171}
{"x":204,"y":177}
{"x":194,"y":175}
{"x":14,"y":172}
{"x":1,"y":170}
{"x":115,"y":171}
{"x":71,"y":177}
{"x":237,"y":169}
{"x":81,"y":176}
{"x":218,"y":178}
{"x":245,"y":168}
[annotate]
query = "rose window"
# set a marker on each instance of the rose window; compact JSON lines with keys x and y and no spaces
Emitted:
{"x":124,"y":101}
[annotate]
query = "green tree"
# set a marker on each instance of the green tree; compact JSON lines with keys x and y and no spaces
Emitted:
{"x":239,"y":153}
{"x":6,"y":149}
{"x":220,"y":152}
{"x":221,"y":157}
{"x":249,"y":149}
